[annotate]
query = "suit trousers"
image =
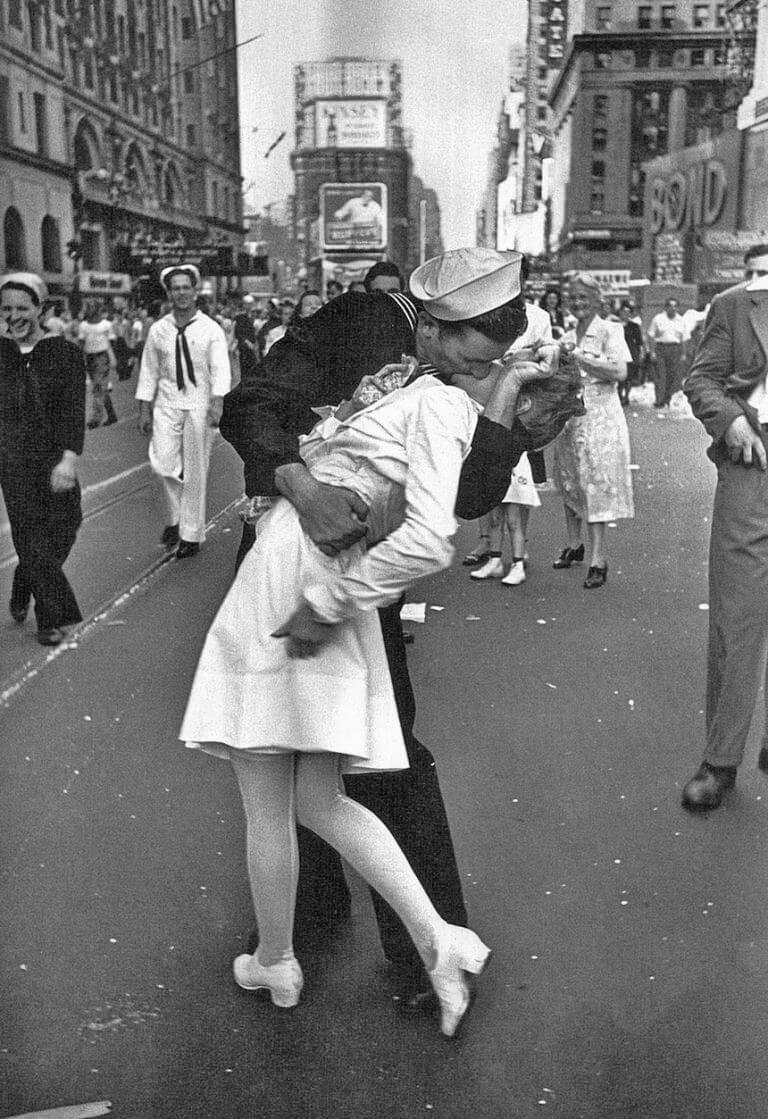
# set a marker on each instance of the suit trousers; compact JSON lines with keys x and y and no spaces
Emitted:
{"x":738,"y":610}
{"x":179,"y":453}
{"x":411,"y":805}
{"x":668,"y":373}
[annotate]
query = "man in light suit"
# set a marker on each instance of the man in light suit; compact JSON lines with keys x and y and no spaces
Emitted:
{"x":728,"y":390}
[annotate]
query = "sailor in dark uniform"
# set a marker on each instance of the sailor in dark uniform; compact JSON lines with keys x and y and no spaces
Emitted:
{"x":42,"y":424}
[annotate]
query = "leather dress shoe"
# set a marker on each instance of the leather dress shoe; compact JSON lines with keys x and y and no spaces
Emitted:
{"x":762,"y":760}
{"x":170,"y":537}
{"x":569,"y":556}
{"x":187,"y":548}
{"x":52,"y":636}
{"x":596,"y":577}
{"x":413,"y":994}
{"x":707,"y":786}
{"x":18,"y":612}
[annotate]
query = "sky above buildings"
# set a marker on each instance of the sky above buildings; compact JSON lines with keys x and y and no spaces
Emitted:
{"x":455,"y":68}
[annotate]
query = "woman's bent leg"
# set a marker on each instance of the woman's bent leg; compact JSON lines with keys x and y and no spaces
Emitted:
{"x":267,"y":789}
{"x":448,"y":952}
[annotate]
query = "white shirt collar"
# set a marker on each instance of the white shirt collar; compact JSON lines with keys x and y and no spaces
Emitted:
{"x":760,"y":283}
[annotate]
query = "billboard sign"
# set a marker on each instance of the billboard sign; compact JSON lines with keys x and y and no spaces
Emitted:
{"x":351,"y":124}
{"x":353,"y":215}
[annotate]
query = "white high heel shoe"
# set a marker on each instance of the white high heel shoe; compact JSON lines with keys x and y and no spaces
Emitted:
{"x":284,"y":981}
{"x":460,"y":955}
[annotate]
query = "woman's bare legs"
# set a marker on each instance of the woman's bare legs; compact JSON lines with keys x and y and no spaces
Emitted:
{"x":573,"y":528}
{"x":597,"y":543}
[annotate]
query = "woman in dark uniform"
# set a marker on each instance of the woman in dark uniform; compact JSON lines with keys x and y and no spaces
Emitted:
{"x":42,"y":421}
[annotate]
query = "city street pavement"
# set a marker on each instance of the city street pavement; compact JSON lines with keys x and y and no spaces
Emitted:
{"x":630,"y":970}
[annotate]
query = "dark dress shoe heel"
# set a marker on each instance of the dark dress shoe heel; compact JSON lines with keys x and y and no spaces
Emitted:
{"x":707,"y":786}
{"x":18,"y":612}
{"x":186,"y":549}
{"x":569,"y":556}
{"x":596,"y":577}
{"x":473,"y":559}
{"x":170,"y":537}
{"x":52,"y":636}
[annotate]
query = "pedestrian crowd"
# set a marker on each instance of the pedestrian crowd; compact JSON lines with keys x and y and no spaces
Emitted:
{"x":366,"y":425}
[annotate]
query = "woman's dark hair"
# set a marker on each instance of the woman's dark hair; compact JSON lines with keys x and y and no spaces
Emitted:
{"x":502,"y":324}
{"x":546,"y":295}
{"x":15,"y":286}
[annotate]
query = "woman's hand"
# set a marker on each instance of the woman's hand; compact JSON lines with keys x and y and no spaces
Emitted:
{"x":64,"y":473}
{"x":306,"y":633}
{"x":388,"y":378}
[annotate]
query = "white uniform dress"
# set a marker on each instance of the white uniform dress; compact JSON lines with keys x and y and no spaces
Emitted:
{"x":402,"y":455}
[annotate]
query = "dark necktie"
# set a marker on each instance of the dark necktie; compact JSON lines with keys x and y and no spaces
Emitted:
{"x":183,"y":348}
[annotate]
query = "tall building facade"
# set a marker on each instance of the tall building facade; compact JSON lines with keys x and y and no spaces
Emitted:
{"x":639,"y":81}
{"x":354,"y":181}
{"x":119,"y":139}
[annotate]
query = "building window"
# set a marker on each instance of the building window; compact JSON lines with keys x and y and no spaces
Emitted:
{"x":51,"y":244}
{"x":642,"y":58}
{"x":22,"y":113}
{"x":189,"y":81}
{"x":644,"y":17}
{"x":15,"y":17}
{"x":720,"y":15}
{"x":665,"y":58}
{"x":597,"y":201}
{"x":600,"y":109}
{"x":5,"y":114}
{"x":603,"y":60}
{"x":603,"y":18}
{"x":599,"y":138}
{"x":13,"y":236}
{"x":113,"y":92}
{"x":667,"y":16}
{"x":88,"y":70}
{"x":649,"y":138}
{"x":187,"y":29}
{"x":698,"y":57}
{"x":719,"y":56}
{"x":191,"y":138}
{"x":41,"y":123}
{"x":701,"y":15}
{"x":541,"y":113}
{"x":34,"y":27}
{"x":121,"y":34}
{"x":704,"y":118}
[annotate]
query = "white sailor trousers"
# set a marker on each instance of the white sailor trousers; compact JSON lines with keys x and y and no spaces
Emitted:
{"x":179,"y":453}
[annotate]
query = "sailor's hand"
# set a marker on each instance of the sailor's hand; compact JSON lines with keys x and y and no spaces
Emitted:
{"x":306,"y":634}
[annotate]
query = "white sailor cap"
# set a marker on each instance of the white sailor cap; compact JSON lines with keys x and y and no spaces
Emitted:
{"x":464,"y":283}
{"x":29,"y":280}
{"x":191,"y":270}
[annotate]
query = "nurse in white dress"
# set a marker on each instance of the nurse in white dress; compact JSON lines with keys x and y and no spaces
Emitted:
{"x":291,"y":723}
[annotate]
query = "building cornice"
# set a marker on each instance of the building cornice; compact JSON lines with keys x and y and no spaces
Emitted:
{"x":628,"y":39}
{"x":30,"y":62}
{"x":35,"y":159}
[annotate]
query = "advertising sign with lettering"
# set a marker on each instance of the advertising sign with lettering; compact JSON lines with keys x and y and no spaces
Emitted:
{"x":353,"y":215}
{"x":351,"y":124}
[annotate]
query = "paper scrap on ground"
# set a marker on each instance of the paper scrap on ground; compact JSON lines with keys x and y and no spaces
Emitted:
{"x":413,"y":612}
{"x":437,"y":608}
{"x":73,"y":1111}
